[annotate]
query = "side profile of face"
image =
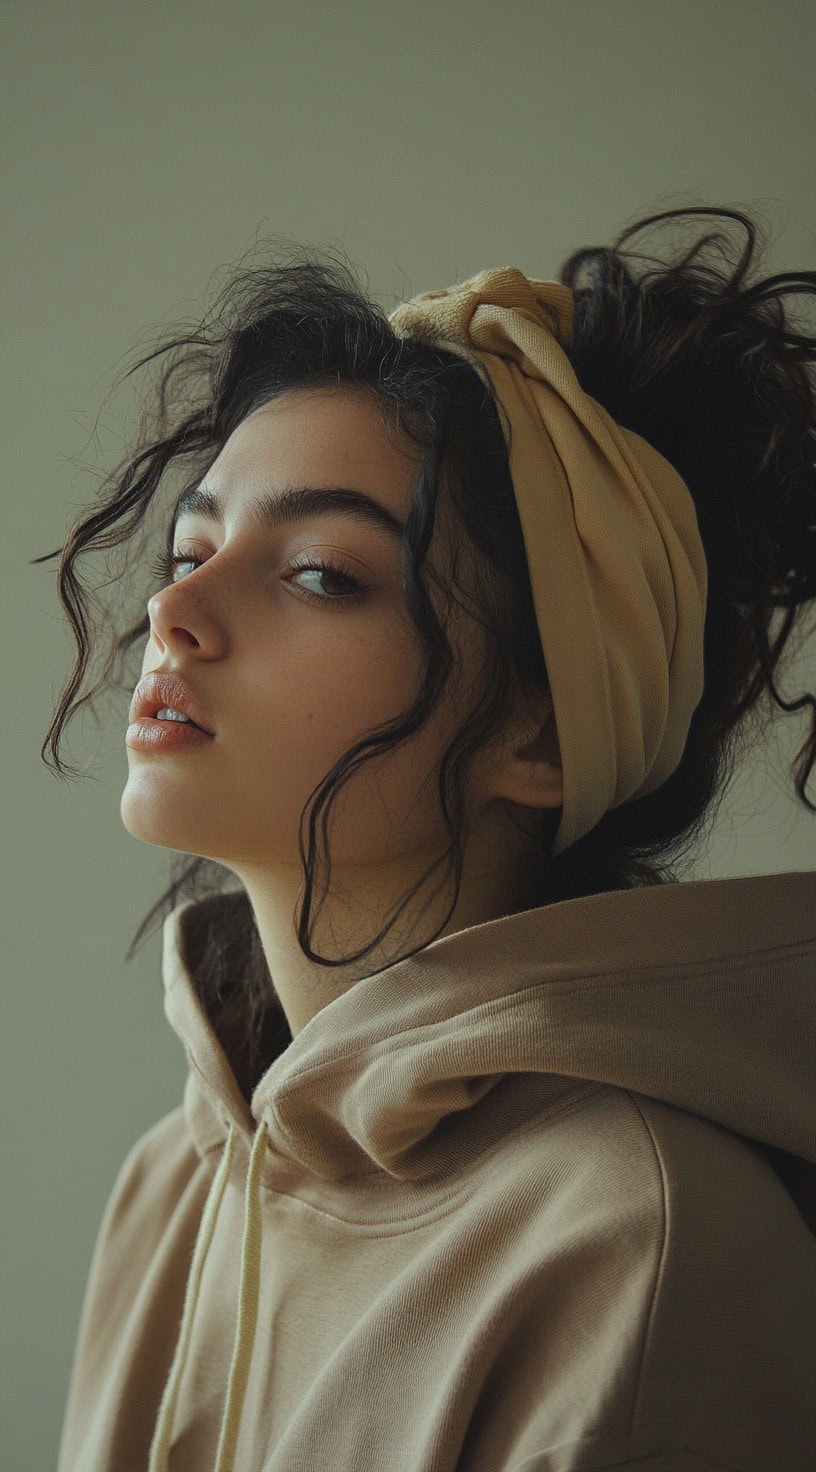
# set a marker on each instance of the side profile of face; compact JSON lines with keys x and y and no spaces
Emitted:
{"x":288,"y":682}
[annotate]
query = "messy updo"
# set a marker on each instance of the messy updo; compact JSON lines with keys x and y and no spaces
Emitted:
{"x":703,"y":364}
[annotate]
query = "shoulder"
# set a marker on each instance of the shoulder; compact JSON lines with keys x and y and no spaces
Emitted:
{"x":154,"y":1173}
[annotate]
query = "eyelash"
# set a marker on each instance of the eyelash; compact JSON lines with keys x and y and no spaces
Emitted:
{"x":166,"y":563}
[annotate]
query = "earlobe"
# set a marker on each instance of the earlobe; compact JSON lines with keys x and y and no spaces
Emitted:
{"x":543,"y":743}
{"x":532,"y":772}
{"x":538,"y":778}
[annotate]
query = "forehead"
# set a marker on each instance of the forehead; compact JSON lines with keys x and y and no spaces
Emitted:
{"x":313,"y":429}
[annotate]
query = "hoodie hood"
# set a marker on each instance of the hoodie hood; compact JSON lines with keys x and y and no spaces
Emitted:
{"x":701,"y":995}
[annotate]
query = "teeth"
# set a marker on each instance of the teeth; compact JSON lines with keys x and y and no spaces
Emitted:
{"x":167,"y":713}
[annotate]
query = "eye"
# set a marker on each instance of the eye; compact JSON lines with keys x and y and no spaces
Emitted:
{"x":163,"y":566}
{"x":340,"y":572}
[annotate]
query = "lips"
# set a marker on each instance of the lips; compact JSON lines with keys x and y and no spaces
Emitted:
{"x":163,"y":687}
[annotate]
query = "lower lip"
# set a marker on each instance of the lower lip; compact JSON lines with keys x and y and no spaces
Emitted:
{"x":147,"y":734}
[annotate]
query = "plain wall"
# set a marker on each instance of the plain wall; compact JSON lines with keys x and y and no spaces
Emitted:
{"x":145,"y":147}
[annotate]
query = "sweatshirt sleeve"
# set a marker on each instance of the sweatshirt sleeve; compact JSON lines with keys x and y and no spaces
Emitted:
{"x":140,"y":1257}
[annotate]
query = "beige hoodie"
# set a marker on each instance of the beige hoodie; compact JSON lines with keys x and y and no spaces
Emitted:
{"x":540,"y":1198}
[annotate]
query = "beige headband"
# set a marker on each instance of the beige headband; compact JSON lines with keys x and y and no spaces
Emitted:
{"x":617,"y":567}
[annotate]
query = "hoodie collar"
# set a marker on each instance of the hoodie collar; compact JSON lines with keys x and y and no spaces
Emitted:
{"x":699,"y":994}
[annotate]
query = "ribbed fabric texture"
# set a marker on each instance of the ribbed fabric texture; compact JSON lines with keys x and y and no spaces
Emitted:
{"x":509,"y":1205}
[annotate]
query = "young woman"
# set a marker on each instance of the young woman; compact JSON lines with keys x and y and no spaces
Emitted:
{"x":501,"y":1157}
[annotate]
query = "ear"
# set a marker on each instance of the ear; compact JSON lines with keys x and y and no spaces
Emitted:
{"x":529,"y":769}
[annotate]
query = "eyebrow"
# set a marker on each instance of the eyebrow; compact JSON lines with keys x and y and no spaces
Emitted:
{"x":294,"y":503}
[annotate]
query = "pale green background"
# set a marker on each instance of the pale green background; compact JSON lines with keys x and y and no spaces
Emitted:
{"x":145,"y":147}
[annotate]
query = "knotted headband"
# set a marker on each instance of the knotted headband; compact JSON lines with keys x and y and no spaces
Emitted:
{"x":617,"y":568}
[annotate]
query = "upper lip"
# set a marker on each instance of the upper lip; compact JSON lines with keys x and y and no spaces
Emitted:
{"x":161,"y":688}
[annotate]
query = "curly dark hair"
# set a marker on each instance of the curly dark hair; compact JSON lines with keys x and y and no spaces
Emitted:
{"x":702,"y":364}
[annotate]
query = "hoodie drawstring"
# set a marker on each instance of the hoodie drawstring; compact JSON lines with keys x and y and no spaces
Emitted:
{"x":247,"y":1310}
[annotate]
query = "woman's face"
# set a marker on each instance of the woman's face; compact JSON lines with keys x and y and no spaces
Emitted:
{"x":287,"y":683}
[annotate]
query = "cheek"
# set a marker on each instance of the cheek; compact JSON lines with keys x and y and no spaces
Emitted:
{"x":336,"y":692}
{"x":333,"y":700}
